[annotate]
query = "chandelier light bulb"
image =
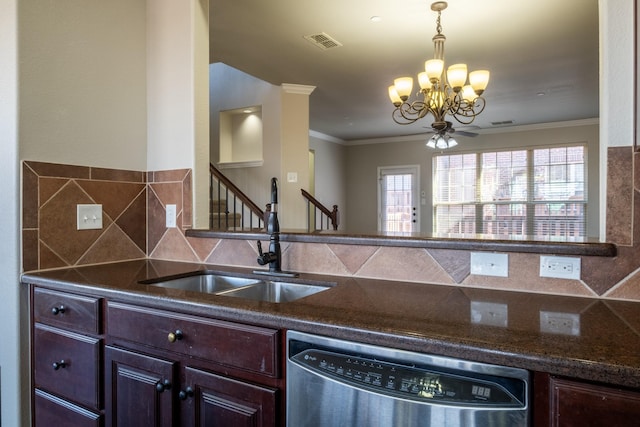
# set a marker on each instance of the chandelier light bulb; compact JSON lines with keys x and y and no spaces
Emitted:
{"x":452,"y":142}
{"x":457,"y":76}
{"x":431,"y":143}
{"x":393,"y":95}
{"x":404,"y":86}
{"x":468,"y":93}
{"x":434,"y":68}
{"x":424,"y":81}
{"x":479,"y":80}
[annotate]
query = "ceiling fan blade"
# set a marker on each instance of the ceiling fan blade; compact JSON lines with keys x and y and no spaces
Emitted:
{"x":464,"y":133}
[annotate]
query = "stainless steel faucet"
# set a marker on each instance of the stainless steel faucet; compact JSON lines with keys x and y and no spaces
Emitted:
{"x":274,"y":256}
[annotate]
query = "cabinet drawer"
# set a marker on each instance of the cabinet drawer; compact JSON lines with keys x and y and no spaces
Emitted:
{"x":69,"y":311}
{"x":245,"y":347}
{"x":52,"y":411}
{"x":67,"y":364}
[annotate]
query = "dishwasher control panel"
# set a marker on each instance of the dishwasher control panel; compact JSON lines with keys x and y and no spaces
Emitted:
{"x":413,"y":382}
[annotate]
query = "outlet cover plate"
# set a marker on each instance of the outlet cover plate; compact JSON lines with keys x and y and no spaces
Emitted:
{"x":560,"y":267}
{"x":89,"y":217}
{"x":555,"y":322}
{"x":490,"y":264}
{"x":489,"y":313}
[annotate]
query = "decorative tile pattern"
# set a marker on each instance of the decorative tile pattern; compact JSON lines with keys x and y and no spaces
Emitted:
{"x":619,"y":195}
{"x":50,"y":195}
{"x":134,"y":227}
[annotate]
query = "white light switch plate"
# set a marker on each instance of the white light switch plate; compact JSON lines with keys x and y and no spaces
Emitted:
{"x":490,"y":264}
{"x":171,"y":216}
{"x":89,"y":217}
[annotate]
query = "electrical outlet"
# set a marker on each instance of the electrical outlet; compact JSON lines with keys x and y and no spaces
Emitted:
{"x":171,"y":216}
{"x":489,"y":313}
{"x":555,"y":322}
{"x":490,"y":264}
{"x":560,"y":267}
{"x":89,"y":217}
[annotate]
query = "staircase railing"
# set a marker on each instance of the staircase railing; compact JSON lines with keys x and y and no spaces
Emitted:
{"x":229,"y":207}
{"x":326,"y":216}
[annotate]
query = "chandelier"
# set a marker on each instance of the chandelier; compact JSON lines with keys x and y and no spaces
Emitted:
{"x":442,"y":94}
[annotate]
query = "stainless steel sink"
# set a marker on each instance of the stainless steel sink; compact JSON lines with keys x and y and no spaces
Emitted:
{"x":276,"y":291}
{"x":204,"y":282}
{"x":239,"y":287}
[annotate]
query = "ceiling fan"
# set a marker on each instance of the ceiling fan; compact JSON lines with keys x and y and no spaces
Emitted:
{"x":442,"y":135}
{"x":447,"y":127}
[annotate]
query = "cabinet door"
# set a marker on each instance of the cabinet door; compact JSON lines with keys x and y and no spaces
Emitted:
{"x":580,"y":404}
{"x":139,"y":389}
{"x":213,"y":400}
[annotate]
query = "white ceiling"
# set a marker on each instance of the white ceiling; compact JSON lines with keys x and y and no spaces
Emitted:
{"x":542,"y":54}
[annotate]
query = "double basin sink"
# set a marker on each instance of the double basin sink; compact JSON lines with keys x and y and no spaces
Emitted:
{"x":256,"y":289}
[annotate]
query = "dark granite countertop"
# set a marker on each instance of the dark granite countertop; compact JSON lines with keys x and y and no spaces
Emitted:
{"x":436,"y":319}
{"x":581,"y":246}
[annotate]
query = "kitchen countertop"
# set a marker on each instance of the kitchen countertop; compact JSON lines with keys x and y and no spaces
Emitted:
{"x":436,"y":319}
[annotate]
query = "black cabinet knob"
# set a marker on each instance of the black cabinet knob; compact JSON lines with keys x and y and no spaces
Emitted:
{"x":162,"y":386}
{"x":58,"y":310}
{"x":59,"y":365}
{"x":185,"y":394}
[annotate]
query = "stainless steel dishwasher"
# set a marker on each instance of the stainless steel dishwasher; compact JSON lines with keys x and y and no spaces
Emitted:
{"x":335,"y":383}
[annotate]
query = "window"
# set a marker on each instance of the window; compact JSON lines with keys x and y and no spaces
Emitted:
{"x":537,"y":192}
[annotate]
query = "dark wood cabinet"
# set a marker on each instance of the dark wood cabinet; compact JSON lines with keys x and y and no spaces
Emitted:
{"x":211,"y":400}
{"x":565,"y":402}
{"x":172,"y":369}
{"x":102,"y":363}
{"x":66,"y":359}
{"x":50,"y":410}
{"x":141,"y":389}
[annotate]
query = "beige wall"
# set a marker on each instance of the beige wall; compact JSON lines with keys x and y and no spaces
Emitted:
{"x":83,"y":82}
{"x":12,"y":403}
{"x":364,"y":160}
{"x":330,"y":174}
{"x":231,"y":89}
{"x":294,"y":155}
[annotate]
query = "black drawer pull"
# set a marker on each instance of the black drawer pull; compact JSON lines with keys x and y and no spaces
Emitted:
{"x":58,"y":365}
{"x":58,"y":310}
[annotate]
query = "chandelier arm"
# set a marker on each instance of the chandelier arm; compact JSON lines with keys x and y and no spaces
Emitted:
{"x":407,"y":113}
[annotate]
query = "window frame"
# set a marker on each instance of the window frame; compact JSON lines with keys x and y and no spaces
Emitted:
{"x":530,"y":203}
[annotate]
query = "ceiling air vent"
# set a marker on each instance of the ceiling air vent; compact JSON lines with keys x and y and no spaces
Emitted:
{"x":323,"y":41}
{"x":502,"y":123}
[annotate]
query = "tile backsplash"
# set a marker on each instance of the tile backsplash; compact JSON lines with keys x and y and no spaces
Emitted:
{"x":134,"y":227}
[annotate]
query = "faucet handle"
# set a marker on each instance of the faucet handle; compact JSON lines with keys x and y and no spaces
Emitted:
{"x":262,"y":257}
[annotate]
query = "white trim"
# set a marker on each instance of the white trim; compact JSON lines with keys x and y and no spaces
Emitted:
{"x":297,"y":89}
{"x":503,"y":129}
{"x":325,"y":137}
{"x":396,"y":170}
